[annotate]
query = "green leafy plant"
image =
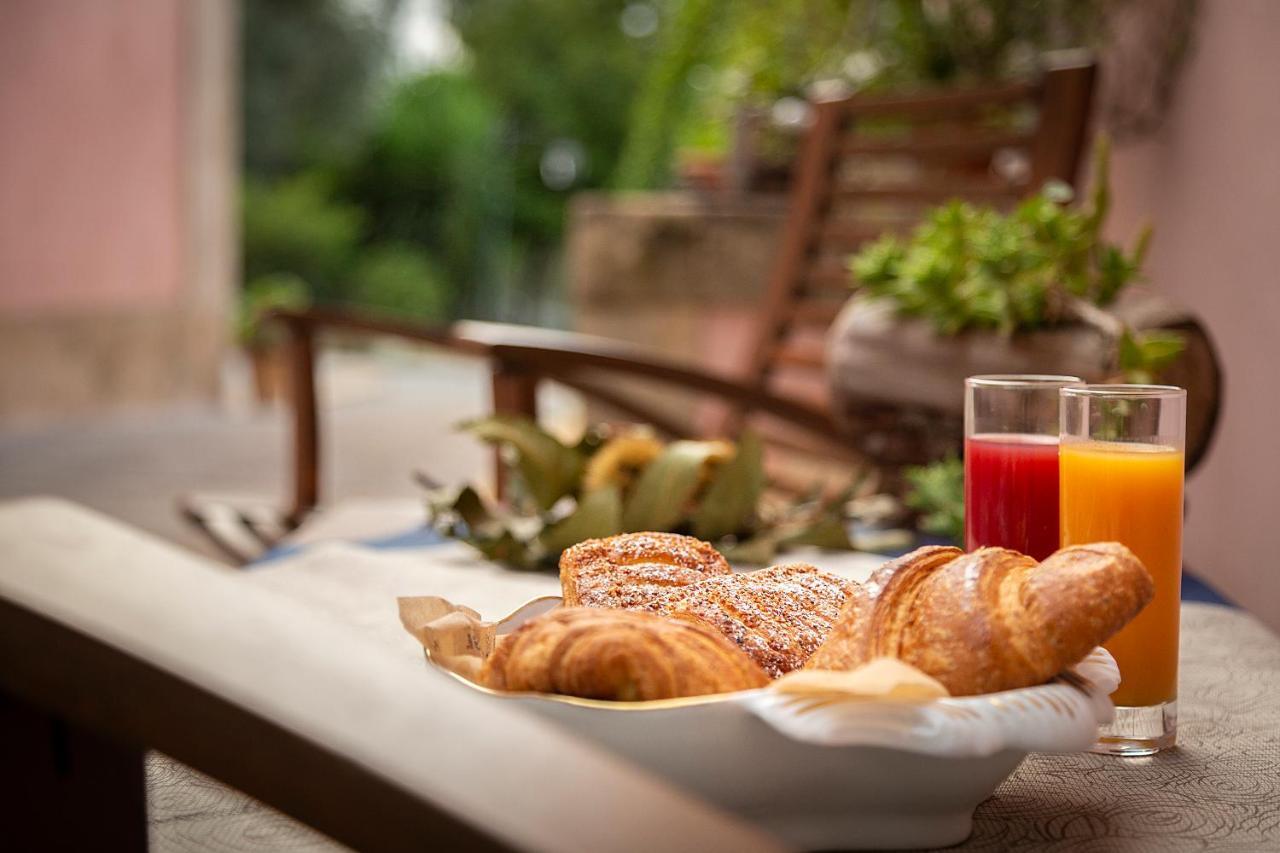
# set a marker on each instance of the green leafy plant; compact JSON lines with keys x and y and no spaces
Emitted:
{"x":761,"y":51}
{"x":397,"y":278}
{"x":1044,"y":264}
{"x":664,"y":95}
{"x":296,"y":226}
{"x":262,"y":295}
{"x":430,"y":178}
{"x":623,"y":481}
{"x":936,"y":491}
{"x":1142,"y":356}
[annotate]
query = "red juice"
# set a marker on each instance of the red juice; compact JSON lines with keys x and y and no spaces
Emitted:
{"x":1011,"y":493}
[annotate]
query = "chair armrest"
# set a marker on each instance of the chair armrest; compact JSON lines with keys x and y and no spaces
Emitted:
{"x":136,"y":639}
{"x":557,"y":354}
{"x":520,"y":356}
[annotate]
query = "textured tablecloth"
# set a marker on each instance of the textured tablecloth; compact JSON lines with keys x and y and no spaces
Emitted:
{"x":1219,"y":790}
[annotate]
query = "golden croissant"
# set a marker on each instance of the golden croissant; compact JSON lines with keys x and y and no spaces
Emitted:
{"x":635,"y":571}
{"x":618,"y":654}
{"x":991,"y":620}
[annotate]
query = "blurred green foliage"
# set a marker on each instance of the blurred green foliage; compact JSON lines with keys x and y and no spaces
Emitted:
{"x":470,"y":166}
{"x":915,"y":41}
{"x":311,"y":71}
{"x":759,"y":51}
{"x":308,"y":70}
{"x":264,"y":294}
{"x":563,"y":73}
{"x":395,"y":278}
{"x":360,"y":176}
{"x":294,"y":225}
{"x":429,"y":177}
{"x":936,"y":491}
{"x":665,"y":94}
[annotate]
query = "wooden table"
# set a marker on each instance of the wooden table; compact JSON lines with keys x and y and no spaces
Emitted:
{"x":1219,"y":790}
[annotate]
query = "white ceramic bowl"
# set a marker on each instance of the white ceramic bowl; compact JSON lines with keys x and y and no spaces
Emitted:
{"x":838,"y":772}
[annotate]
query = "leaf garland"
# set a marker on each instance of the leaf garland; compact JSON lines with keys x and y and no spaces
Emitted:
{"x":712,"y":489}
{"x":734,"y":492}
{"x":548,"y":470}
{"x":666,"y":486}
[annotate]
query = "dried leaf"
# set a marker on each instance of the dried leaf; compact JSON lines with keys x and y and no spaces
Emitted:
{"x":548,"y":469}
{"x":598,"y":514}
{"x":662,"y":497}
{"x":826,"y":531}
{"x":759,"y":550}
{"x":730,"y":501}
{"x":504,"y":547}
{"x":470,"y":507}
{"x":666,"y":486}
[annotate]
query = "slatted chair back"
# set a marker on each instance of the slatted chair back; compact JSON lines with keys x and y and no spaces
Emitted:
{"x":873,"y":164}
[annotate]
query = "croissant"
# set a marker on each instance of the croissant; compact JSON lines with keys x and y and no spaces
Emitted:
{"x":991,"y":620}
{"x":618,"y":654}
{"x":779,"y":616}
{"x":635,"y":571}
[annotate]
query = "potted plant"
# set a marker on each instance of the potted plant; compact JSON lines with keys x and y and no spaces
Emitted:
{"x":262,"y":342}
{"x":974,"y":291}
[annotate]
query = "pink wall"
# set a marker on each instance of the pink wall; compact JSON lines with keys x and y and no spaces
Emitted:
{"x":1210,"y":182}
{"x":90,"y":155}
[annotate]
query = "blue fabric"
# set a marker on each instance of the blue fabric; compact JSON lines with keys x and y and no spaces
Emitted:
{"x":420,"y":537}
{"x":1193,"y":588}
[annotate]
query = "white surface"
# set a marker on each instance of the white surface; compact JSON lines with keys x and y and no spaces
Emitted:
{"x":359,"y":585}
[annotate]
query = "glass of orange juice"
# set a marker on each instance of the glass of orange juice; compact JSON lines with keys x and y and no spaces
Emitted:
{"x":1120,"y":480}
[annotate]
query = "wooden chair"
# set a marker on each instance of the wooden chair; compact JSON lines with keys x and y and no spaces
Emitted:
{"x":869,"y":164}
{"x":112,"y":643}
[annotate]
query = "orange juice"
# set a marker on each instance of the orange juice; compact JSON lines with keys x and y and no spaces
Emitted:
{"x":1132,"y":493}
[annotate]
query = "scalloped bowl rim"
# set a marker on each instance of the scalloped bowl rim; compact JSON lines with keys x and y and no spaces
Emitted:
{"x":974,"y":725}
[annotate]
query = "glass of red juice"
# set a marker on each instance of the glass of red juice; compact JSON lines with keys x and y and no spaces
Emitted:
{"x":1011,"y":462}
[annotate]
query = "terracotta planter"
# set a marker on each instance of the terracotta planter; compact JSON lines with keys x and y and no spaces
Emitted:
{"x":269,"y":372}
{"x":898,"y":387}
{"x":704,"y":173}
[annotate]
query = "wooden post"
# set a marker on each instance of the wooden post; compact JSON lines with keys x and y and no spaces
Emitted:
{"x":810,"y":196}
{"x":1063,"y":122}
{"x":515,"y":392}
{"x":65,"y":787}
{"x":306,"y":429}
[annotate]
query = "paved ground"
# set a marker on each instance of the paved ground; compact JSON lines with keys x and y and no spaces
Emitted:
{"x":385,"y":414}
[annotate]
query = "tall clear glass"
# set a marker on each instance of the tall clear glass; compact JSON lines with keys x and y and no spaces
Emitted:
{"x":1121,"y":478}
{"x":1011,"y":462}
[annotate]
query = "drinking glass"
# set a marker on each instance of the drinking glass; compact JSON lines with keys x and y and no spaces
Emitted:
{"x":1011,"y":462}
{"x":1122,"y":476}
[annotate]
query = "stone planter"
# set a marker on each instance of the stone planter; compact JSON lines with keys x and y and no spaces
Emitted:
{"x":897,"y":386}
